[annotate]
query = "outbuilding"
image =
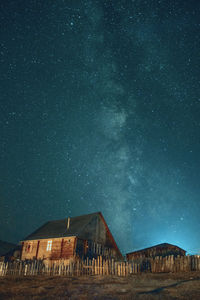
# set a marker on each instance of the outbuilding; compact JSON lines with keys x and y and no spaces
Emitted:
{"x":164,"y":249}
{"x":9,"y":251}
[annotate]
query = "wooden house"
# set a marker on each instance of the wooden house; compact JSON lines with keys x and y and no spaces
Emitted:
{"x":71,"y":238}
{"x":164,"y":249}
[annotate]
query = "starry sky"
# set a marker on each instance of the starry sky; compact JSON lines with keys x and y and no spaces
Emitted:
{"x":100,"y":111}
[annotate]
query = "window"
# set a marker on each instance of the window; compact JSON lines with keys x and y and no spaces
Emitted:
{"x":49,"y":245}
{"x":85,"y":247}
{"x":28,"y":247}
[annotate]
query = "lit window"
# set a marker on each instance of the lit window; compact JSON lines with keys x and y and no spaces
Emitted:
{"x":49,"y":245}
{"x":28,"y":247}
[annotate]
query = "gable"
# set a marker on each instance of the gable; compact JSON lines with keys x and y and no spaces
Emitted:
{"x":97,"y":230}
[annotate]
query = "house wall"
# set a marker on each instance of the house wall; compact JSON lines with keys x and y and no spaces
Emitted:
{"x":29,"y":249}
{"x":55,"y":248}
{"x":64,"y":248}
{"x":91,"y":249}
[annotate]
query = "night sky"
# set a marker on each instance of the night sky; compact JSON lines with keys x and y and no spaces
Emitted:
{"x":100,"y":111}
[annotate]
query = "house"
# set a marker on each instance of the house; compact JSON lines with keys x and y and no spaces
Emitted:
{"x":9,"y":251}
{"x":164,"y":249}
{"x":71,"y":238}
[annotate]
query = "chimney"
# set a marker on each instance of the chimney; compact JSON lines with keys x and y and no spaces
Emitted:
{"x":68,"y":223}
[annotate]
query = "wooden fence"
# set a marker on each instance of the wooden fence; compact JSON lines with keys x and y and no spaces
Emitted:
{"x":102,"y":266}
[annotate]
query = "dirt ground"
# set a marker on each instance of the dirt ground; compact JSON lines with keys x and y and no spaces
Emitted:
{"x":143,"y":286}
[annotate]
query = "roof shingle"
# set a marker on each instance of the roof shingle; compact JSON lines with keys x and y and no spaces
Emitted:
{"x":58,"y":228}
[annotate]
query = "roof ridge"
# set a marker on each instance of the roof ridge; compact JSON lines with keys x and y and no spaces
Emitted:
{"x":58,"y":228}
{"x":80,"y":216}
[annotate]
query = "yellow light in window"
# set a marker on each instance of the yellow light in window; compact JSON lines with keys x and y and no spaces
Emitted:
{"x":49,"y":245}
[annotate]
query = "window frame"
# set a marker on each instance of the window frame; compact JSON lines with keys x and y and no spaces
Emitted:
{"x":28,"y":247}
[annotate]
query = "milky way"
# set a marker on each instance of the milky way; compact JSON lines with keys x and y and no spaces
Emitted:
{"x":100,"y":112}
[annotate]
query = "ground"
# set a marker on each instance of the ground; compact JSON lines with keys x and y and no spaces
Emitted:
{"x":142,"y":286}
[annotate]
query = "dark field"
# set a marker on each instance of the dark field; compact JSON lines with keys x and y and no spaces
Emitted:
{"x":143,"y":286}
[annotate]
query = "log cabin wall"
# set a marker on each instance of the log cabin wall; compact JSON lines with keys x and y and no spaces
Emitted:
{"x":90,"y":249}
{"x":29,"y":250}
{"x":156,"y":251}
{"x":55,"y":248}
{"x":68,"y":246}
{"x":64,"y":248}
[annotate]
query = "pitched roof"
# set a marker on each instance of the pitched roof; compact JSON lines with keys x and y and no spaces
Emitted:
{"x":55,"y":229}
{"x":163,"y":245}
{"x":83,"y":227}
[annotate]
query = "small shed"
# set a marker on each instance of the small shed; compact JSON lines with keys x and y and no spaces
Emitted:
{"x":71,"y":238}
{"x":164,"y":249}
{"x":9,"y":251}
